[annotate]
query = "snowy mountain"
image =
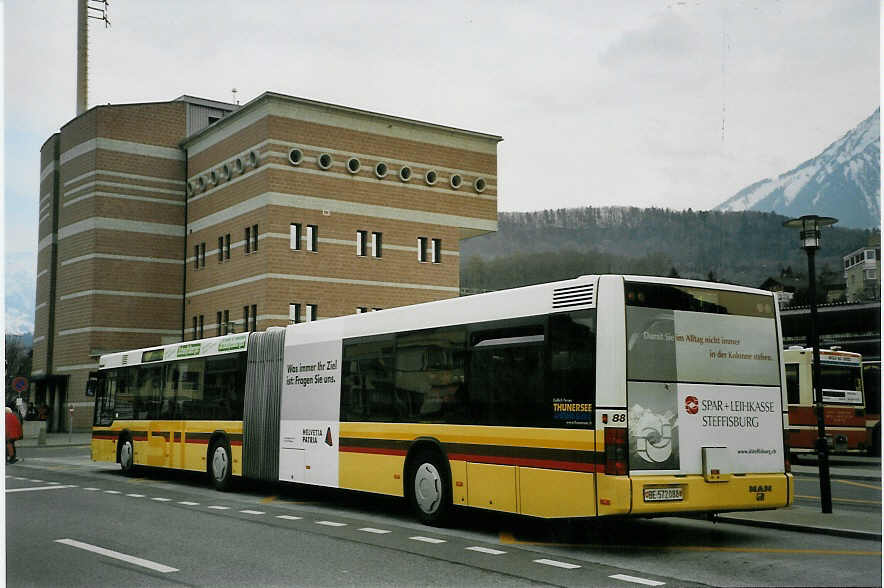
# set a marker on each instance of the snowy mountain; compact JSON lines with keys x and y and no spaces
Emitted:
{"x":844,"y":181}
{"x":20,"y":292}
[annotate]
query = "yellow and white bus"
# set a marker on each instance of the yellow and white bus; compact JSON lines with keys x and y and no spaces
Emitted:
{"x":602,"y":395}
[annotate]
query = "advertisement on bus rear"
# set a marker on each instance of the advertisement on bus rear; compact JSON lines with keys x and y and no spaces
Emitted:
{"x":697,"y":379}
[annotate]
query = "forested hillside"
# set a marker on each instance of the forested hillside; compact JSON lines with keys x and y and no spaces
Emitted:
{"x":737,"y":247}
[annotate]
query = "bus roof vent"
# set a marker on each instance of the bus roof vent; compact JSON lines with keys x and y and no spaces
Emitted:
{"x":573,"y":296}
{"x":125,"y":358}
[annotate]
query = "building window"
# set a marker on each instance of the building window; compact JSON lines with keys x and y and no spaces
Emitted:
{"x":422,"y":249}
{"x":376,"y":239}
{"x":194,"y":328}
{"x":218,"y":320}
{"x":254,"y":237}
{"x":254,"y":317}
{"x":226,"y":321}
{"x":361,"y":309}
{"x":361,"y":236}
{"x":245,"y":317}
{"x":437,"y":250}
{"x":312,"y":238}
{"x":312,"y":311}
{"x":248,"y":240}
{"x":202,"y":321}
{"x":376,"y":309}
{"x":196,"y":257}
{"x":220,"y":249}
{"x":203,"y":254}
{"x":227,"y":246}
{"x":294,"y":313}
{"x":870,"y":254}
{"x":871,"y":274}
{"x":295,"y":236}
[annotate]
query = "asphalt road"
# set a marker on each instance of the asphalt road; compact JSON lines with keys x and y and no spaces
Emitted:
{"x":75,"y":523}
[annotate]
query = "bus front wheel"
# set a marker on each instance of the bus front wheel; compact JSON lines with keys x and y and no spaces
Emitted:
{"x":220,"y":464}
{"x":429,"y":488}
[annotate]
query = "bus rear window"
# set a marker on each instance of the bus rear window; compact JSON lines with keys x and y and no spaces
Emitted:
{"x":707,"y":300}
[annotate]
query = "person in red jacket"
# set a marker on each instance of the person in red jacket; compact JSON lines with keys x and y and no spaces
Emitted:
{"x":13,"y":434}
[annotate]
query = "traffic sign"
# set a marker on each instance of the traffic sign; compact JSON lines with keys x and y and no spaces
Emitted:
{"x":20,"y":384}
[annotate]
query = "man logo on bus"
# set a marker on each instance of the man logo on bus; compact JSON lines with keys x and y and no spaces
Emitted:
{"x":691,"y":404}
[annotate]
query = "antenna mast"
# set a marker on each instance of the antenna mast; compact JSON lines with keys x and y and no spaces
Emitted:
{"x":86,"y":9}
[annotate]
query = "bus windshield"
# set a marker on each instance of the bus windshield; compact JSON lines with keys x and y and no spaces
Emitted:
{"x":841,"y":383}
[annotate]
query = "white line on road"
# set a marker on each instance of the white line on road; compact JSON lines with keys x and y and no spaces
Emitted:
{"x":644,"y":581}
{"x":220,"y":507}
{"x":557,"y":564}
{"x":53,"y":483}
{"x":136,"y":495}
{"x":188,"y":503}
{"x":8,"y":490}
{"x":92,"y":489}
{"x":289,"y":517}
{"x":37,"y":481}
{"x":487,"y":550}
{"x":331,"y":524}
{"x":112,"y":492}
{"x":254,"y":512}
{"x":427,"y":539}
{"x":375,"y":531}
{"x":160,"y":499}
{"x":145,"y":563}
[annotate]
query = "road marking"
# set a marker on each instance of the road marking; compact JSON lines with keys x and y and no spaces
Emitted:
{"x":37,"y":481}
{"x":254,"y":512}
{"x":557,"y":564}
{"x":136,"y":495}
{"x":487,"y":550}
{"x":637,"y":580}
{"x":8,"y":490}
{"x":375,"y":531}
{"x":220,"y":507}
{"x":427,"y":539}
{"x":92,"y":489}
{"x":161,"y":499}
{"x":53,"y":483}
{"x":268,"y":499}
{"x":145,"y":563}
{"x":834,"y":499}
{"x":860,"y":484}
{"x":188,"y":503}
{"x":331,"y":524}
{"x":507,"y":538}
{"x":289,"y":517}
{"x":112,"y":492}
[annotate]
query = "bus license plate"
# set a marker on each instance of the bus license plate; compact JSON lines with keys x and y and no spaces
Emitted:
{"x":664,"y":494}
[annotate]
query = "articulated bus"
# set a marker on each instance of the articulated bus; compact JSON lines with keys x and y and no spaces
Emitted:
{"x":844,"y":412}
{"x":601,"y":395}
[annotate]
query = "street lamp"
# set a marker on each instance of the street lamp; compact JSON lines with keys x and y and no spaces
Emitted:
{"x":810,"y":225}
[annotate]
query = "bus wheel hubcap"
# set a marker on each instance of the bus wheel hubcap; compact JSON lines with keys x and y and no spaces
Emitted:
{"x":126,"y":454}
{"x":428,"y":487}
{"x":219,"y":463}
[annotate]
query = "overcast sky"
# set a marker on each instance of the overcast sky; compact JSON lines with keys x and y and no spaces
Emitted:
{"x":600,"y":102}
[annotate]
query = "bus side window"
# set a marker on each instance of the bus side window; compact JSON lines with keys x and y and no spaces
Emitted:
{"x":793,"y":394}
{"x":570,"y":391}
{"x":367,"y":379}
{"x":430,"y":376}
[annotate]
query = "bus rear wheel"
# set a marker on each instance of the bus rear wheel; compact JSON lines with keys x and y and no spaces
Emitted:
{"x":429,"y":488}
{"x":220,"y":464}
{"x":127,"y":456}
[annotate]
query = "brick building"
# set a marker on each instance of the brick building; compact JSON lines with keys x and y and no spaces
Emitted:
{"x":177,"y":220}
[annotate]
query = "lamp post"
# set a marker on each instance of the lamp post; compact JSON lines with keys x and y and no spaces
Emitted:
{"x":810,"y":225}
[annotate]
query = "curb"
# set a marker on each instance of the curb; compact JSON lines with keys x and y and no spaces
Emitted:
{"x":849,"y":533}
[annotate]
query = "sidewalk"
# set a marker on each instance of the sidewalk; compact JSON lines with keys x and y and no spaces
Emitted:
{"x":841,"y":522}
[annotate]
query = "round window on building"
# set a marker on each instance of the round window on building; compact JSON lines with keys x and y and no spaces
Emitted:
{"x":296,"y":156}
{"x":480,"y":184}
{"x":353,"y":165}
{"x":225,"y":172}
{"x":253,"y":159}
{"x":238,"y":165}
{"x":405,"y":173}
{"x":213,"y":177}
{"x":381,"y":169}
{"x":456,"y":181}
{"x":431,"y":177}
{"x":324,"y":161}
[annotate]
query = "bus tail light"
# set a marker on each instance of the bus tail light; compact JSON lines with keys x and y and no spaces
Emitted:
{"x":787,"y":455}
{"x":615,"y":451}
